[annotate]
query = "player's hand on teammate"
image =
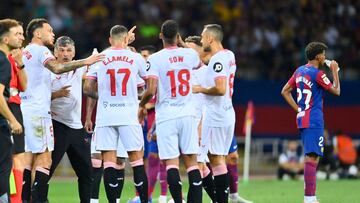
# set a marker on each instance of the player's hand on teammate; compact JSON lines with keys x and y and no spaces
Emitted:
{"x":94,"y":58}
{"x":196,"y":89}
{"x":334,"y":66}
{"x":142,"y":113}
{"x":131,"y":35}
{"x":63,"y":92}
{"x":17,"y":56}
{"x":180,"y":41}
{"x":15,"y":127}
{"x":88,"y":126}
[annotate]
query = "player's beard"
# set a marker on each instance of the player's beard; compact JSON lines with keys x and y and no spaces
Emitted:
{"x":49,"y":45}
{"x":207,"y":49}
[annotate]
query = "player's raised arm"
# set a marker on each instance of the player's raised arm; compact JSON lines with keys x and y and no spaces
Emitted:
{"x":286,"y":93}
{"x":59,"y":68}
{"x":335,"y":89}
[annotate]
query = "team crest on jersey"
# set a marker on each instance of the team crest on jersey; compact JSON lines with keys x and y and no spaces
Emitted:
{"x":218,"y":67}
{"x":148,"y":65}
{"x":105,"y":104}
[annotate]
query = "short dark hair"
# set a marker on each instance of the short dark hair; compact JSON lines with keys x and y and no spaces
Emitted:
{"x":216,"y":30}
{"x":7,"y":24}
{"x":150,"y":48}
{"x":33,"y":25}
{"x":313,"y":49}
{"x":169,"y":30}
{"x":63,"y":41}
{"x":118,"y":31}
{"x":194,"y":39}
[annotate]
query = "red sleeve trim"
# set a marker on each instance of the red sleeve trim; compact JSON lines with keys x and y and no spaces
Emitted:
{"x":46,"y":60}
{"x":91,"y":77}
{"x":220,"y":77}
{"x":153,"y":77}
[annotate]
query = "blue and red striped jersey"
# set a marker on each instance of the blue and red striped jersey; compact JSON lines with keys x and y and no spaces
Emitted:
{"x":310,"y":83}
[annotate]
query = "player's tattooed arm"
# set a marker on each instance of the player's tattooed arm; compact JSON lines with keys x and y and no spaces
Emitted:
{"x":286,"y":93}
{"x":59,"y":68}
{"x":90,"y":88}
{"x":151,"y":84}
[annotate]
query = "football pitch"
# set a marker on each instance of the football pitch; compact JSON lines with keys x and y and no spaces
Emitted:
{"x":259,"y":191}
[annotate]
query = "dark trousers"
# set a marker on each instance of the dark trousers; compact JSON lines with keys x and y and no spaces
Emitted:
{"x":75,"y":143}
{"x":5,"y":160}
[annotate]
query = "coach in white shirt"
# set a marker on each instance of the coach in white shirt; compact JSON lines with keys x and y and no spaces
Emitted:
{"x":36,"y":100}
{"x":66,"y":99}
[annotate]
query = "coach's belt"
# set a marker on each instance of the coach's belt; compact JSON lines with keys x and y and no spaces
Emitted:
{"x":14,"y":91}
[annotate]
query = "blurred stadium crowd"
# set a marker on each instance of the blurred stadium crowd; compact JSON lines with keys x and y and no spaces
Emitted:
{"x":268,"y":37}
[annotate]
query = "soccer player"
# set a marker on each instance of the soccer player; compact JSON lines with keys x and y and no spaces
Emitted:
{"x":232,"y":166}
{"x":17,"y":83}
{"x":170,"y":72}
{"x":36,"y":100}
{"x":218,"y":122}
{"x":66,"y":99}
{"x":310,"y":83}
{"x":155,"y":165}
{"x":8,"y":40}
{"x":117,"y":126}
{"x":194,"y":42}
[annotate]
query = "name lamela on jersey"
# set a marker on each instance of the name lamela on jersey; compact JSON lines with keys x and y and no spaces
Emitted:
{"x":304,"y":80}
{"x":118,"y":58}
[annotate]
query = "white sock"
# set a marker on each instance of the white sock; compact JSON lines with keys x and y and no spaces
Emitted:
{"x":94,"y":200}
{"x":233,"y":195}
{"x":309,"y":198}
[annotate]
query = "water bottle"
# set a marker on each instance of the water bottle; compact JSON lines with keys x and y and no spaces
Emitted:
{"x":328,"y":62}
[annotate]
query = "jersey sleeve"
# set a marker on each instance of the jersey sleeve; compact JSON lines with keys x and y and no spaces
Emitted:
{"x":323,"y":80}
{"x":292,"y":82}
{"x":152,"y":68}
{"x":5,"y":71}
{"x":217,"y":69}
{"x":139,"y":81}
{"x":45,"y":55}
{"x":91,"y":73}
{"x":142,"y":68}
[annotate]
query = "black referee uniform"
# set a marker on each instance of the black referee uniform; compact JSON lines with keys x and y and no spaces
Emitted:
{"x":5,"y":135}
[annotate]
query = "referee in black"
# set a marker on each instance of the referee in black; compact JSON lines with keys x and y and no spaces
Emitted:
{"x":7,"y":119}
{"x":69,"y":134}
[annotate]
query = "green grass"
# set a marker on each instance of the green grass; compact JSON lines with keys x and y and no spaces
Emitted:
{"x":259,"y":191}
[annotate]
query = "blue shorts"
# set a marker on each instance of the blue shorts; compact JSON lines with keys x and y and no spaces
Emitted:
{"x":233,"y":146}
{"x":313,"y":140}
{"x":146,"y":143}
{"x":153,"y":147}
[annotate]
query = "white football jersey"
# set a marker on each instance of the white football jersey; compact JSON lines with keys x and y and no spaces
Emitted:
{"x":173,"y":67}
{"x":37,"y":97}
{"x":219,"y":111}
{"x":199,"y":99}
{"x":117,"y":79}
{"x":67,"y":110}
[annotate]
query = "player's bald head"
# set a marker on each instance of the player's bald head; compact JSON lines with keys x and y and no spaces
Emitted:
{"x":118,"y":32}
{"x":214,"y":30}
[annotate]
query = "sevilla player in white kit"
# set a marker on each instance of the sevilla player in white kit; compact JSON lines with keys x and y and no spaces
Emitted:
{"x":219,"y":117}
{"x":117,"y":125}
{"x":36,"y":100}
{"x":170,"y":74}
